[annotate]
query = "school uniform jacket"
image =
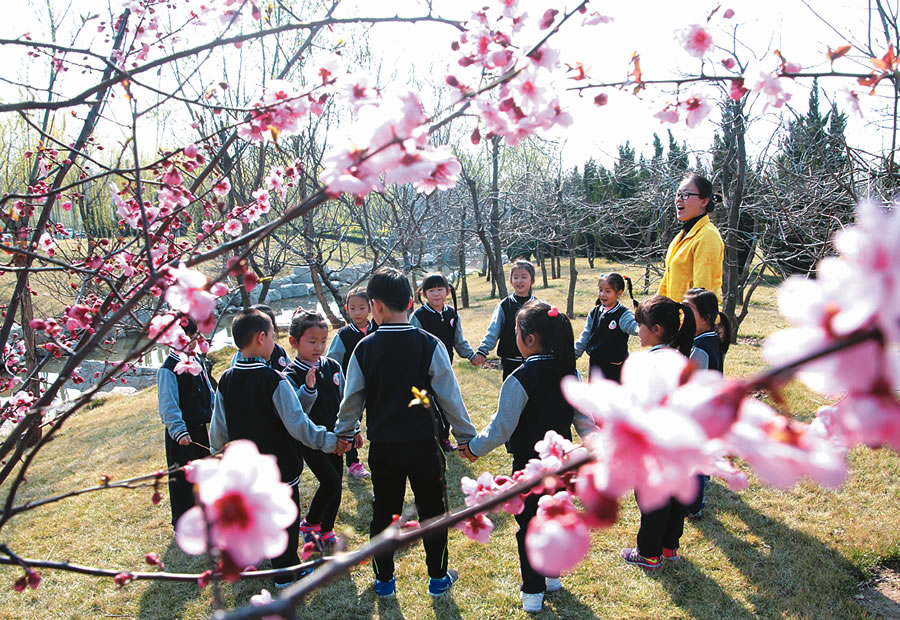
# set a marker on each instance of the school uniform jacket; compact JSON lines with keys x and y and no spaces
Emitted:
{"x":344,"y":341}
{"x":383,"y":369}
{"x":446,"y":326}
{"x":184,"y":399}
{"x":531,"y":403}
{"x":258,"y":403}
{"x":502,"y":330}
{"x":694,"y":260}
{"x":605,"y":335}
{"x":323,"y":401}
{"x":279,"y":359}
{"x":707,"y":352}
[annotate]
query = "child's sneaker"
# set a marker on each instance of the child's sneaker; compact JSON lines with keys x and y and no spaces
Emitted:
{"x":308,"y":531}
{"x":553,"y":584}
{"x":532,"y":603}
{"x":385,"y":589}
{"x":632,"y":556}
{"x":670,"y":555}
{"x":437,"y":587}
{"x":330,"y":540}
{"x":358,"y":471}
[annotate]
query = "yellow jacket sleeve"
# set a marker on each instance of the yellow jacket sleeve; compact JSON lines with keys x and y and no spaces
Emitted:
{"x":694,"y":261}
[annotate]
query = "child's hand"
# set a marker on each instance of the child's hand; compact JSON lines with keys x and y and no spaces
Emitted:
{"x":185,"y":441}
{"x":466,"y":453}
{"x":358,"y":441}
{"x":311,"y":378}
{"x":477,"y":360}
{"x":342,"y":446}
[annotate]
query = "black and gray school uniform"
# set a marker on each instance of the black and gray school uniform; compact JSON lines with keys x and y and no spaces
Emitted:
{"x":344,"y":341}
{"x":446,"y":325}
{"x":185,"y":407}
{"x":342,"y":345}
{"x":706,"y":354}
{"x":258,"y":403}
{"x":383,"y":369}
{"x":605,"y":339}
{"x":279,"y":359}
{"x":321,"y":404}
{"x":502,"y":333}
{"x":531,"y":403}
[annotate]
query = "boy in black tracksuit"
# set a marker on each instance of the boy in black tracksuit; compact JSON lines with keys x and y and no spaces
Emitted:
{"x":258,"y":403}
{"x":185,"y":406}
{"x":383,"y":369}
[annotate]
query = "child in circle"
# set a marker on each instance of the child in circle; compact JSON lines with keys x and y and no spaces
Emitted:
{"x":662,"y":322}
{"x":710,"y":345}
{"x":320,"y":389}
{"x":439,"y":319}
{"x":502,"y":330}
{"x":358,"y":308}
{"x":531,"y":403}
{"x":605,"y":335}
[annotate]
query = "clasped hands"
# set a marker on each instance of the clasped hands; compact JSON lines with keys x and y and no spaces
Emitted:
{"x":466,"y":453}
{"x":345,"y":445}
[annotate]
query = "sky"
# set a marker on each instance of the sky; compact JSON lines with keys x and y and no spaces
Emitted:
{"x":648,"y":27}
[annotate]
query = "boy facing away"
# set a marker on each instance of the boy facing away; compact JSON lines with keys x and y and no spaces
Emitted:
{"x":258,"y":403}
{"x":383,"y":369}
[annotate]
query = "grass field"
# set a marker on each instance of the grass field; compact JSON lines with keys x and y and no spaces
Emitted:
{"x":761,"y":552}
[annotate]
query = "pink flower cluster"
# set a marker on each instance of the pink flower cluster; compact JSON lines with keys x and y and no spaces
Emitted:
{"x":190,"y":294}
{"x":854,"y":292}
{"x":493,"y":45}
{"x":243,"y":503}
{"x":279,"y":112}
{"x":695,"y":107}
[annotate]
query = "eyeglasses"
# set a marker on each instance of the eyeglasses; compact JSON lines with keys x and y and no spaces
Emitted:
{"x":685,"y":195}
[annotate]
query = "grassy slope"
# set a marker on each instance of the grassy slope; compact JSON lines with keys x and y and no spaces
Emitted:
{"x":760,"y":552}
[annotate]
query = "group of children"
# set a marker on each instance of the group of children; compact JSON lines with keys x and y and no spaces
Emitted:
{"x":310,"y":408}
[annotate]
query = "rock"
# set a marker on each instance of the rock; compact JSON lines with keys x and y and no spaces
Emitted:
{"x":289,"y":291}
{"x":273,"y":295}
{"x":123,"y":390}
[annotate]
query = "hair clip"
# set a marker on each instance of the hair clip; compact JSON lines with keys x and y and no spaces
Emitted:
{"x":553,"y":312}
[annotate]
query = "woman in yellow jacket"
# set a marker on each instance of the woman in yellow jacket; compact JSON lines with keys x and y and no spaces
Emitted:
{"x":694,"y":258}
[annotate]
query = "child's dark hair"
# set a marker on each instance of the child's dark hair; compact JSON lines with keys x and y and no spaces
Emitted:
{"x":705,"y":189}
{"x":267,"y":310}
{"x":617,"y":282}
{"x":676,"y":320}
{"x":247,"y":324}
{"x":303,"y":320}
{"x":435,"y":280}
{"x":707,"y":305}
{"x":390,"y":287}
{"x":189,"y":326}
{"x":522,"y":263}
{"x":554,"y":330}
{"x":356,"y":292}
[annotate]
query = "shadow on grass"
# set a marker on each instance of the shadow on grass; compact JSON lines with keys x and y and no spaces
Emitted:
{"x":794,"y":574}
{"x":166,"y":599}
{"x":564,"y":604}
{"x":691,"y":589}
{"x":444,"y":606}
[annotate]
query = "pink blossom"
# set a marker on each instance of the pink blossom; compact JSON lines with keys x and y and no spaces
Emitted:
{"x":191,"y":151}
{"x":514,"y":505}
{"x":187,"y":364}
{"x":552,"y":449}
{"x":548,"y":18}
{"x":172,"y":177}
{"x":770,"y":86}
{"x":78,"y":317}
{"x":737,"y":89}
{"x":263,"y":598}
{"x":233,"y":227}
{"x":668,"y":114}
{"x":245,"y":504}
{"x":557,"y":538}
{"x":781,"y":451}
{"x":477,"y":491}
{"x":346,"y":171}
{"x":728,"y":14}
{"x":851,"y":99}
{"x":873,"y":420}
{"x":187,"y":294}
{"x":47,"y":244}
{"x":729,"y":63}
{"x":261,"y":196}
{"x":696,"y":40}
{"x":478,"y":528}
{"x":697,"y":110}
{"x":167,"y":327}
{"x":66,"y":205}
{"x":595,"y":18}
{"x":222,"y":187}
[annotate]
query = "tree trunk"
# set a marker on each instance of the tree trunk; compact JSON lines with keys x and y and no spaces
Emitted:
{"x":33,"y":434}
{"x":463,"y":285}
{"x":734,"y":190}
{"x":573,"y":280}
{"x":499,"y":280}
{"x":543,"y":263}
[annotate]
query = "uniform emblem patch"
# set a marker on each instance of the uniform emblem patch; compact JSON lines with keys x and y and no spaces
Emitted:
{"x":336,"y":378}
{"x":612,"y":324}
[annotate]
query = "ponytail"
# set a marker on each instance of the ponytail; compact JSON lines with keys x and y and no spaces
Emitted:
{"x":419,"y":296}
{"x":453,"y":294}
{"x":631,"y":291}
{"x":725,"y":331}
{"x":683,"y":340}
{"x":554,"y":330}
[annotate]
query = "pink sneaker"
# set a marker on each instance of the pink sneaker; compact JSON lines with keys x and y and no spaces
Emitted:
{"x":358,"y":471}
{"x":308,"y":531}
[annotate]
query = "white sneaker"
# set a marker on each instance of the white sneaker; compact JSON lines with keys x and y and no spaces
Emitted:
{"x":532,"y":603}
{"x":553,"y":584}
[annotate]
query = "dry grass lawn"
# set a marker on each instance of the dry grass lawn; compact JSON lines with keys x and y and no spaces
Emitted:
{"x":762,"y":552}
